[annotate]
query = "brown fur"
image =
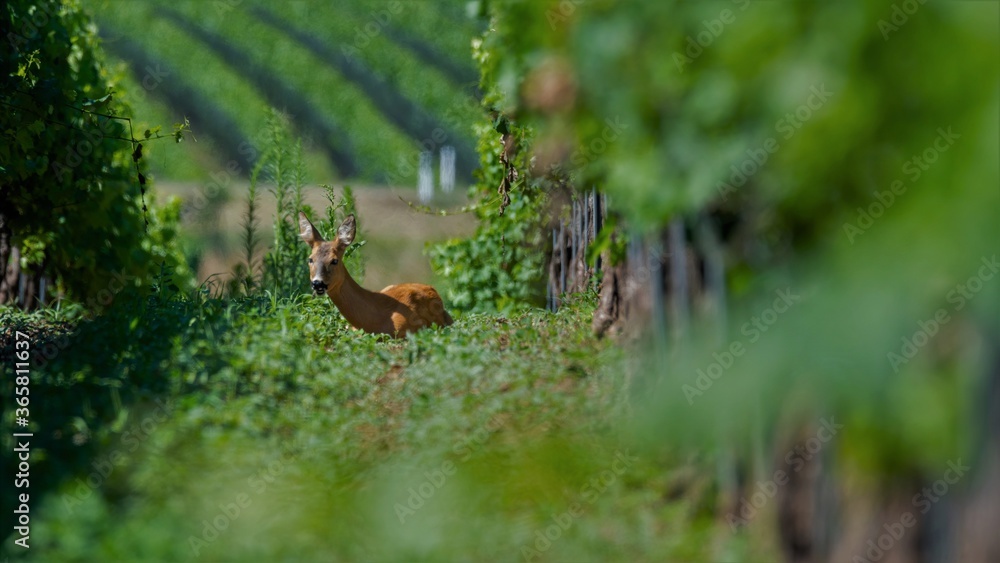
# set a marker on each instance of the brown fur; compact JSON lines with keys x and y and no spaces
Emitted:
{"x":396,"y":310}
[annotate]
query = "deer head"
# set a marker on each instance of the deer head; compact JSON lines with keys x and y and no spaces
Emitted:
{"x":326,"y":268}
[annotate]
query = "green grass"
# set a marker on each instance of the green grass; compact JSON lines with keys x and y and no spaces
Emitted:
{"x":425,"y":85}
{"x":196,"y":64}
{"x":378,"y":145}
{"x":442,"y":25}
{"x":321,"y":432}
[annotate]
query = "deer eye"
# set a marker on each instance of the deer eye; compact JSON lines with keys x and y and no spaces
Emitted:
{"x":310,"y":260}
{"x":334,"y":262}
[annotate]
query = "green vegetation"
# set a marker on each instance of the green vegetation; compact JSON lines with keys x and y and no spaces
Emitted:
{"x":185,"y":161}
{"x":187,"y":35}
{"x":500,"y":267}
{"x":172,"y":422}
{"x":190,"y":46}
{"x":326,"y":430}
{"x":194,"y":63}
{"x":790,"y":135}
{"x":280,"y":272}
{"x":72,"y":192}
{"x":279,"y":400}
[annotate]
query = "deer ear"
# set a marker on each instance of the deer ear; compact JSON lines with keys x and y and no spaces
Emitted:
{"x":347,"y":230}
{"x":307,"y":231}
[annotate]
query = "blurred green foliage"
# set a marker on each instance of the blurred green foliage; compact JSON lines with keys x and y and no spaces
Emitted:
{"x":694,"y":86}
{"x":849,"y":150}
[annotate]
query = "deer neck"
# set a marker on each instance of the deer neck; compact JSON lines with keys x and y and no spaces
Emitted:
{"x":358,"y":305}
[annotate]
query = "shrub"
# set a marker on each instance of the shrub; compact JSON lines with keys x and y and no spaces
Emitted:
{"x":72,"y":195}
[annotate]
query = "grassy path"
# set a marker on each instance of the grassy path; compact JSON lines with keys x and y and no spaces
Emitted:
{"x":278,"y":434}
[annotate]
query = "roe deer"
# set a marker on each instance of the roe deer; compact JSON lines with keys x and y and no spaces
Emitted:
{"x":396,"y":310}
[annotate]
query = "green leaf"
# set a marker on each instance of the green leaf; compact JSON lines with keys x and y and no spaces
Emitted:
{"x":25,"y":140}
{"x":500,"y":125}
{"x":99,"y":103}
{"x":603,"y":241}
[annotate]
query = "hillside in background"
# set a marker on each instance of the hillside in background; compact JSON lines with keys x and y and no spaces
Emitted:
{"x":367,"y":85}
